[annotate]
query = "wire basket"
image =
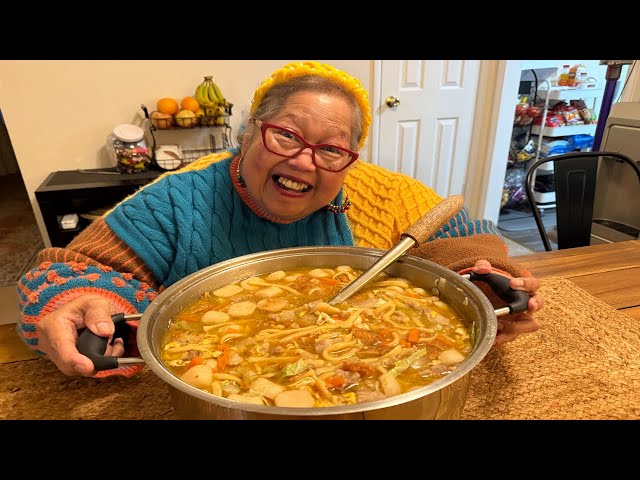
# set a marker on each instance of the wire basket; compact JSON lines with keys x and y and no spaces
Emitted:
{"x":176,"y":153}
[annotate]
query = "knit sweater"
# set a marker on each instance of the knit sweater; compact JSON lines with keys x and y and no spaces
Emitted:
{"x":197,"y":216}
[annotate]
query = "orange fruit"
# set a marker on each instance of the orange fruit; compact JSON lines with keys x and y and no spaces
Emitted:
{"x":190,"y":103}
{"x":168,"y":105}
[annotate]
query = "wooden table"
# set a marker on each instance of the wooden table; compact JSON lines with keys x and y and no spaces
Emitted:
{"x":609,"y":272}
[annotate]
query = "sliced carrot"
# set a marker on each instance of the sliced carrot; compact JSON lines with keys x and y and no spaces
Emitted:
{"x":335,"y":381}
{"x":195,"y":361}
{"x":224,"y":358}
{"x":413,"y":336}
{"x":328,"y":281}
{"x":385,"y":335}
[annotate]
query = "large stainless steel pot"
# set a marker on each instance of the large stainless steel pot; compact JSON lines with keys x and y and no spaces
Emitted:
{"x":442,"y":399}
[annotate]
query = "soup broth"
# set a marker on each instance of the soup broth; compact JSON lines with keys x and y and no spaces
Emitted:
{"x":273,"y":339}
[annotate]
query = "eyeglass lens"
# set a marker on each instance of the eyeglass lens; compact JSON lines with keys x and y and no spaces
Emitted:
{"x":287,"y":143}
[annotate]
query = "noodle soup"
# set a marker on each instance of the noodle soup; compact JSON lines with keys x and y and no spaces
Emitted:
{"x":273,"y":339}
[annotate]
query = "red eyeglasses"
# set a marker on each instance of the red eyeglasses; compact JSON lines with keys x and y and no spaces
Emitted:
{"x":284,"y":142}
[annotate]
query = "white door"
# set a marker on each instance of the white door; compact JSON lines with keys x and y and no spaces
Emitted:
{"x":427,"y":136}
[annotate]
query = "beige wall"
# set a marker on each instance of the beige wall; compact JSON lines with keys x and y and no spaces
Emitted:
{"x":59,"y":113}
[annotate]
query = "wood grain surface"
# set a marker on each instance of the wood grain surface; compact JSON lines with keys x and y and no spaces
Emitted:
{"x":12,"y":348}
{"x":609,"y":272}
{"x":633,"y":312}
{"x":575,"y":262}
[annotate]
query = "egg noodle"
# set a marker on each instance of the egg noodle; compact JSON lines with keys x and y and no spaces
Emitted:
{"x":274,"y":339}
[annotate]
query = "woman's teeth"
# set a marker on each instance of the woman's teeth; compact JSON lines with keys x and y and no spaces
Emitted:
{"x":291,"y":185}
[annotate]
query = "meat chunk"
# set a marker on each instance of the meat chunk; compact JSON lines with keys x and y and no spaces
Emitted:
{"x":325,"y":342}
{"x":364,"y":394}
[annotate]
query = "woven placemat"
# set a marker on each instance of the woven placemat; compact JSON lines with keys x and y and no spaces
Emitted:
{"x":584,"y":363}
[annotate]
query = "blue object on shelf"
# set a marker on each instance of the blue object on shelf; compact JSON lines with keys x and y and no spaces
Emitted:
{"x":557,"y":150}
{"x":580,"y":142}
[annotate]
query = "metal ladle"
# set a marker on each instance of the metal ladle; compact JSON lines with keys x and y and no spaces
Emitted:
{"x":416,"y":234}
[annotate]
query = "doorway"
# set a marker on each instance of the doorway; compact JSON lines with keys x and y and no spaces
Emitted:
{"x":20,"y":238}
{"x":425,"y":111}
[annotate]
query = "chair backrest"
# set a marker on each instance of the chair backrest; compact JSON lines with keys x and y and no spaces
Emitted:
{"x":575,"y":181}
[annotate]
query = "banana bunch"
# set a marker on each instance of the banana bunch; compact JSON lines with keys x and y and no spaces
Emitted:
{"x":208,"y":94}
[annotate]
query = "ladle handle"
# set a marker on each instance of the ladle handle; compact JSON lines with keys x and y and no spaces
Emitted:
{"x":93,"y":346}
{"x":419,"y":232}
{"x":431,"y":222}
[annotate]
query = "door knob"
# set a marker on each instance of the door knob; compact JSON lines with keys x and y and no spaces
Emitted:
{"x":392,"y":102}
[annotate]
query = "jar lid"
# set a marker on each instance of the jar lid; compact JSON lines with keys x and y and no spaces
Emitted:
{"x":128,"y":133}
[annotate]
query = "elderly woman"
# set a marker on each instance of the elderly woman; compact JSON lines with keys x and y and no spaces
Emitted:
{"x":294,"y":181}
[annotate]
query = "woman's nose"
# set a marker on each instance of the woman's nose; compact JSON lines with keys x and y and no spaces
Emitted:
{"x":303,"y":160}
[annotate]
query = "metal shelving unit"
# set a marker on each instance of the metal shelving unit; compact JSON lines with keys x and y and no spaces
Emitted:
{"x":556,"y":93}
{"x":564,"y":131}
{"x":217,"y":138}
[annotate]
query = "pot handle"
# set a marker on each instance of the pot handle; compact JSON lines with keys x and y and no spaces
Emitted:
{"x":93,"y":346}
{"x":517,"y":300}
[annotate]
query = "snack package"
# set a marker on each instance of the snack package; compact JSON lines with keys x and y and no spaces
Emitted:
{"x":553,"y":120}
{"x":521,"y":117}
{"x":572,"y":116}
{"x":527,"y":153}
{"x":585,"y":113}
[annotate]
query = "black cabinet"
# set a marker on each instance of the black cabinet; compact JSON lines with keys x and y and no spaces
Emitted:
{"x":82,"y":191}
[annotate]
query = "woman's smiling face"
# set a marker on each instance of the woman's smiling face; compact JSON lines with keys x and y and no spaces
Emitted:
{"x":292,"y":188}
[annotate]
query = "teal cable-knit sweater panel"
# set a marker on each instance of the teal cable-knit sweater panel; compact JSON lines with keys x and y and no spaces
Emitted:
{"x":190,"y":220}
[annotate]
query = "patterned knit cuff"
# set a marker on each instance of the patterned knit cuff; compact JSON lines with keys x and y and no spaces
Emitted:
{"x":462,"y":253}
{"x":52,"y":285}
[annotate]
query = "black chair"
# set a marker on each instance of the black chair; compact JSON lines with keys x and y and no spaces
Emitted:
{"x":575,"y":185}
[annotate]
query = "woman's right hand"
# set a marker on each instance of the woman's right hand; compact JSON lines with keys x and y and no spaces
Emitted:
{"x":58,"y":333}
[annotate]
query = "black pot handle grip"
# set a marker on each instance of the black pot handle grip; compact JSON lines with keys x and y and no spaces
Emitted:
{"x":517,"y":300}
{"x":93,"y":346}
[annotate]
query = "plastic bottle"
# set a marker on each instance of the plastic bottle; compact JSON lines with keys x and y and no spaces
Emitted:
{"x":563,"y":80}
{"x":574,"y":74}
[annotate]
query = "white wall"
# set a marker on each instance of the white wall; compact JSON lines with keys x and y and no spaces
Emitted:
{"x":59,"y":112}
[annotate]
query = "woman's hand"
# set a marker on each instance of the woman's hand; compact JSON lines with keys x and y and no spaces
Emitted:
{"x":58,"y":333}
{"x":510,"y":326}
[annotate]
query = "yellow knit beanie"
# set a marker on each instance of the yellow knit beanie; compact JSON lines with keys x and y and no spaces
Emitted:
{"x":293,"y":70}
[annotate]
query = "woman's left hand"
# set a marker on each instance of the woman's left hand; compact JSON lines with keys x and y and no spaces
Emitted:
{"x":510,"y":326}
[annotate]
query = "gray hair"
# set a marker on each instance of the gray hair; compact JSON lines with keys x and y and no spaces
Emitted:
{"x":276,"y":99}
